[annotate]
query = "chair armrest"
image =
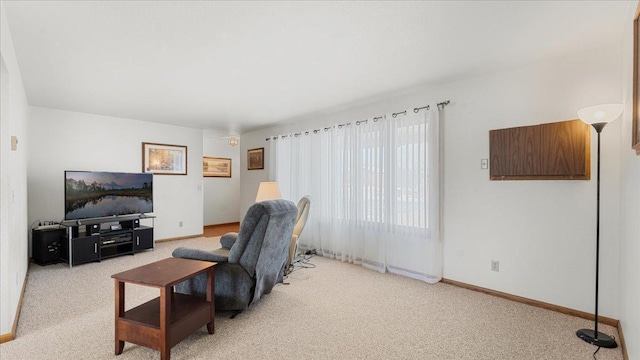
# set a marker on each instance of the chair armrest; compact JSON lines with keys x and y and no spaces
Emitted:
{"x":227,"y":240}
{"x":196,"y":254}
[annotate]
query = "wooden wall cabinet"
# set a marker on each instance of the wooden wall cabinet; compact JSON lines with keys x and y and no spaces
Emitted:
{"x":554,"y":151}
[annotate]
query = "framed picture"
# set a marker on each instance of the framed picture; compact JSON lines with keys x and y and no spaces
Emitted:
{"x":164,"y":159}
{"x":635,"y":130}
{"x":255,"y":159}
{"x":216,"y":167}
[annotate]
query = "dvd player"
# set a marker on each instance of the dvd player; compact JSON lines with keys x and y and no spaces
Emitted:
{"x":117,"y":238}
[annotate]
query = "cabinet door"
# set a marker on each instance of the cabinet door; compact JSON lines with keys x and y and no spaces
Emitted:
{"x":565,"y":148}
{"x":513,"y":152}
{"x":143,"y":239}
{"x":86,"y":249}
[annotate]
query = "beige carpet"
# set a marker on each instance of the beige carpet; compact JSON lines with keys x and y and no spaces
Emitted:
{"x":335,"y":311}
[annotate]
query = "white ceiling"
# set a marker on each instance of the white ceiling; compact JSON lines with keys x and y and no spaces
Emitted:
{"x":236,"y":66}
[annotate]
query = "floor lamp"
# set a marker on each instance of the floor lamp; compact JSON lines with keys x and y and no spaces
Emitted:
{"x":598,"y":116}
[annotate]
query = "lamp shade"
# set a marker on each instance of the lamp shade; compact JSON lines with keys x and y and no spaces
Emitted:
{"x":268,"y":190}
{"x":604,"y":113}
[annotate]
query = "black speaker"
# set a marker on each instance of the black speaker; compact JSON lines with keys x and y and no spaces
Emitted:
{"x":93,"y":229}
{"x":46,"y":245}
{"x":130,"y":224}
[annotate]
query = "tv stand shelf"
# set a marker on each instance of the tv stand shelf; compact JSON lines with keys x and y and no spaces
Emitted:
{"x":88,"y":242}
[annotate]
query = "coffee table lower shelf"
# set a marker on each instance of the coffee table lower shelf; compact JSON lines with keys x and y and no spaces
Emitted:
{"x":141,"y":325}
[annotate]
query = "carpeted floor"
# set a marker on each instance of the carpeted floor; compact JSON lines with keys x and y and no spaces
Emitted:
{"x":333,"y":311}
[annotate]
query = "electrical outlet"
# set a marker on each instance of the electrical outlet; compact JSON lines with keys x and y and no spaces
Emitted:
{"x":180,"y":224}
{"x":495,"y":265}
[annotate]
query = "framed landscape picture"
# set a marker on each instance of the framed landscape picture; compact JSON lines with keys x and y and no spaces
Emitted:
{"x":635,"y":123}
{"x":164,"y":159}
{"x":216,"y":167}
{"x":255,"y":159}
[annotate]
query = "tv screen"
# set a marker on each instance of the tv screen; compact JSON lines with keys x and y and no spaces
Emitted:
{"x":92,"y":194}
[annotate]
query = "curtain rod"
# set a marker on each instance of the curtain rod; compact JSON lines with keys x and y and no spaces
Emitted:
{"x":440,"y":106}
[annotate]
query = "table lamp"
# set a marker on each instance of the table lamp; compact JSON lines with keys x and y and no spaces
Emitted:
{"x":268,"y":190}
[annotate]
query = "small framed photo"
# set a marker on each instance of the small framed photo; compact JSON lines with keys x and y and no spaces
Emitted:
{"x":164,"y":159}
{"x":216,"y":167}
{"x":255,"y":159}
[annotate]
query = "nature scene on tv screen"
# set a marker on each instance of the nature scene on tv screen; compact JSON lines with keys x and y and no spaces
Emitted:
{"x":100,"y":194}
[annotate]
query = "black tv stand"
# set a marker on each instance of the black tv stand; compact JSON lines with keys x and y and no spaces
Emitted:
{"x":87,"y":241}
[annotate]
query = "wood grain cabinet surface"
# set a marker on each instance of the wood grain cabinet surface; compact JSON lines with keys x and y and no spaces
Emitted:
{"x":553,"y":151}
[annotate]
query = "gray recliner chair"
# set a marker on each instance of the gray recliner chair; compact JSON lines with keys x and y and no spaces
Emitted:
{"x":251,"y":262}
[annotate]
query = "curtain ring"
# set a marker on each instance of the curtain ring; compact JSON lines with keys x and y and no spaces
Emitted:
{"x":441,"y":105}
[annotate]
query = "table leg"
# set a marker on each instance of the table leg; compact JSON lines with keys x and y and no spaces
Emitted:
{"x":165,"y":323}
{"x":119,"y":312}
{"x":211,"y":297}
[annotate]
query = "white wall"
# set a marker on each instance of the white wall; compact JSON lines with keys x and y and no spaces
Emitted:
{"x":13,"y":181}
{"x":542,"y":232}
{"x":65,"y":140}
{"x":630,"y":207}
{"x":221,"y":195}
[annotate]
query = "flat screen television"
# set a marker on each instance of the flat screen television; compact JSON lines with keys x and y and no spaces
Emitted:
{"x":93,"y":194}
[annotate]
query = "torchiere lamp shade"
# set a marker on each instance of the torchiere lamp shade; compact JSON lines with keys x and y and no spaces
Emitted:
{"x":604,"y":113}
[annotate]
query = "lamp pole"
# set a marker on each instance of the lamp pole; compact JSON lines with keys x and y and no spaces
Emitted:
{"x":598,"y":116}
{"x":594,"y":336}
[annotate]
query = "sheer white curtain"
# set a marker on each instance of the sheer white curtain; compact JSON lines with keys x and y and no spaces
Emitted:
{"x":374,"y":187}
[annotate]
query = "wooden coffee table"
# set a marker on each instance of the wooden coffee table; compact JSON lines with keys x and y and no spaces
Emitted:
{"x":166,"y":320}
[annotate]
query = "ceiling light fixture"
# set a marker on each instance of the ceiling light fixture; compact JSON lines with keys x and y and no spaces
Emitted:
{"x":233,"y":141}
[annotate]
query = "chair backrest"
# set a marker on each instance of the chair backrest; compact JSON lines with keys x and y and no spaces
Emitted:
{"x":263,"y":242}
{"x":303,"y":214}
{"x":301,"y":220}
